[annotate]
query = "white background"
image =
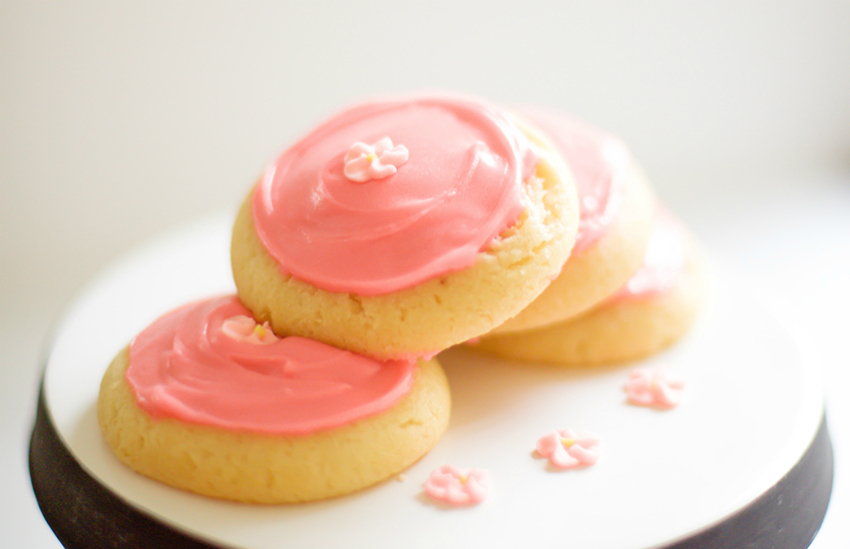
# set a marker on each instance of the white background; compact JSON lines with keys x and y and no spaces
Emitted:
{"x":120,"y":121}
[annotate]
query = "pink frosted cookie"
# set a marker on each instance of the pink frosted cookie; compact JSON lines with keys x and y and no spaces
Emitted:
{"x":402,"y":226}
{"x":616,"y":206}
{"x":207,"y":400}
{"x":651,"y":311}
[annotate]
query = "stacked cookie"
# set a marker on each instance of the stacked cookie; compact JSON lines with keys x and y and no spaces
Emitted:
{"x":394,"y":230}
{"x":470,"y":224}
{"x":632,"y":284}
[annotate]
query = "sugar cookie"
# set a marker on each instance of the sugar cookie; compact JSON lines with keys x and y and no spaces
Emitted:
{"x":654,"y":309}
{"x":400,"y":227}
{"x":616,"y":207}
{"x":208,"y":401}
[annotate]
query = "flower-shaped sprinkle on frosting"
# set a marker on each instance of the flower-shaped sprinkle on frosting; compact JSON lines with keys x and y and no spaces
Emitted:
{"x":457,"y":486}
{"x":566,"y":449}
{"x":377,"y":161}
{"x":246,"y":330}
{"x":646,"y":387}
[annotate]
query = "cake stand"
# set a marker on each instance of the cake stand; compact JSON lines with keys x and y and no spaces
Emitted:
{"x":744,"y":461}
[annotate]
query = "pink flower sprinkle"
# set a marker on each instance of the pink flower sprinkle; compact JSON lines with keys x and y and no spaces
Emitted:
{"x":246,"y":330}
{"x":457,"y":486}
{"x":567,"y":449}
{"x":646,"y":387}
{"x":377,"y":161}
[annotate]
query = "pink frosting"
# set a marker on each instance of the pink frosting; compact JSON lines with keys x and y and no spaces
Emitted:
{"x":200,"y":364}
{"x":458,"y":188}
{"x":364,"y":162}
{"x":245,"y":329}
{"x":458,"y":486}
{"x":566,"y":449}
{"x":663,"y":263}
{"x":653,"y":388}
{"x":599,"y":163}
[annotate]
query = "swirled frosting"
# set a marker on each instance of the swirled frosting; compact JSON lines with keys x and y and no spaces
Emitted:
{"x":599,"y":163}
{"x":457,"y":189}
{"x":192,"y":365}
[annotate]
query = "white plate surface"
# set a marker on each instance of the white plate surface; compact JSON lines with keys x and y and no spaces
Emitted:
{"x":752,"y":404}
